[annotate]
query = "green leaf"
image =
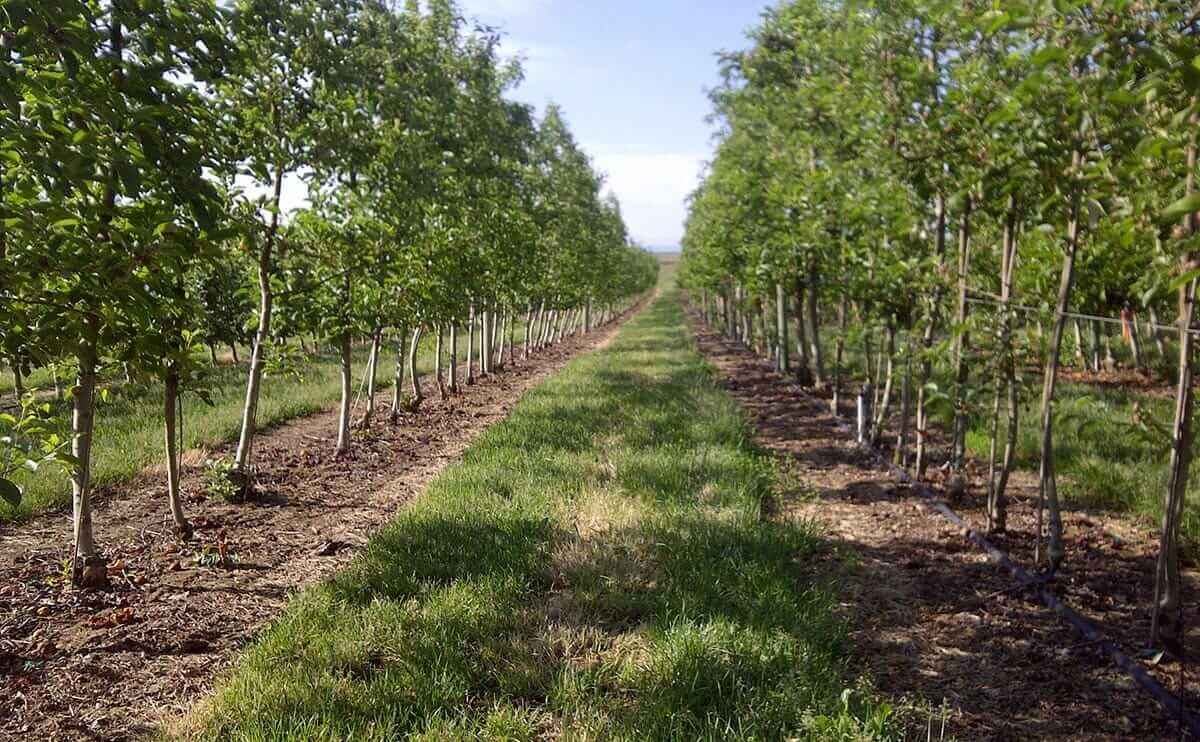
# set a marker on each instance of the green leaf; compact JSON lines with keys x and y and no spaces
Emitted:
{"x":10,"y":492}
{"x":1182,"y":207}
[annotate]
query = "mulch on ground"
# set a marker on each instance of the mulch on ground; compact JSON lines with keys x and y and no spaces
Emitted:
{"x":934,"y":622}
{"x":116,"y":664}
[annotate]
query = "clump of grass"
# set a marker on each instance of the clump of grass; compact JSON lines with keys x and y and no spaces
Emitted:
{"x":595,"y":568}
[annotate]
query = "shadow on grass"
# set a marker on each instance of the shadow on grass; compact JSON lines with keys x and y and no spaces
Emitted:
{"x":596,"y":566}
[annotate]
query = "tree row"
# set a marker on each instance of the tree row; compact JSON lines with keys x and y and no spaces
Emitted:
{"x":145,"y":150}
{"x":928,"y":174}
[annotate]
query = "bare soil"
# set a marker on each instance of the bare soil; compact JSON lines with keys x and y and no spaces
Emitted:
{"x":934,"y":622}
{"x":117,"y":664}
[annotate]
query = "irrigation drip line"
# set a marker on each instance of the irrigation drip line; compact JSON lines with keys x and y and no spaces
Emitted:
{"x":991,"y":301}
{"x":1170,"y":703}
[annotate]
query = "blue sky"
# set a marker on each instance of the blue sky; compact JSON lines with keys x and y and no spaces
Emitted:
{"x":630,"y":77}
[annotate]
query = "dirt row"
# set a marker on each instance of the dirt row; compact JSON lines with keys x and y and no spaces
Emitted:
{"x":934,"y":622}
{"x":120,"y":663}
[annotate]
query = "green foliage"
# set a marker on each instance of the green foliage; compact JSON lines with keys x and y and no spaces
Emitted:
{"x":30,"y":439}
{"x":217,"y":482}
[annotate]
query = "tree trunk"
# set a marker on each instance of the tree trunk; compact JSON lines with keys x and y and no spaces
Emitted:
{"x":931,"y":321}
{"x":398,"y":383}
{"x":1094,"y":327}
{"x":1159,"y":345}
{"x":839,"y":349}
{"x":212,"y":353}
{"x":1080,"y":353}
{"x":814,"y":324}
{"x":885,"y":403}
{"x":504,"y":331}
{"x":343,"y":434}
{"x":901,"y":457}
{"x":262,"y":336}
{"x":508,"y":338}
{"x":18,"y":379}
{"x":1135,"y":341}
{"x":997,"y":510}
{"x":172,"y":410}
{"x":803,"y":370}
{"x":1047,"y":489}
{"x":1167,"y":618}
{"x":1167,"y":621}
{"x":437,"y":362}
{"x":88,"y":568}
{"x":471,"y":346}
{"x":234,"y":353}
{"x":372,"y":368}
{"x":454,"y":357}
{"x":529,"y":320}
{"x":781,"y":327}
{"x":414,"y":378}
{"x":959,"y":450}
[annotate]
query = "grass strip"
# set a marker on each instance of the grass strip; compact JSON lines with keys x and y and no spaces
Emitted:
{"x":595,"y":568}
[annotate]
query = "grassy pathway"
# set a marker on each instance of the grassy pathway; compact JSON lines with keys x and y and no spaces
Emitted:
{"x":595,"y":568}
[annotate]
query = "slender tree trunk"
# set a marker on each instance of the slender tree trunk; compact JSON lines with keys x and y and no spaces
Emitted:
{"x":343,"y":435}
{"x":529,"y":320}
{"x":1135,"y":342}
{"x":997,"y":510}
{"x":901,"y":457}
{"x":437,"y":362}
{"x":1048,"y":490}
{"x":171,"y":412}
{"x":504,"y":332}
{"x":18,"y":379}
{"x":507,"y":346}
{"x":234,"y":353}
{"x":814,"y":323}
{"x":781,"y":327}
{"x":931,"y":322}
{"x":1167,"y":621}
{"x":454,"y":357}
{"x":398,"y":383}
{"x":471,"y":346}
{"x":838,"y":351}
{"x":212,"y":353}
{"x":413,"y":377}
{"x":89,"y":568}
{"x":885,"y":403}
{"x":803,"y":370}
{"x":372,"y":368}
{"x":963,"y":341}
{"x":1159,"y":345}
{"x":1080,"y":353}
{"x":485,"y":342}
{"x":1094,"y":327}
{"x":262,"y":336}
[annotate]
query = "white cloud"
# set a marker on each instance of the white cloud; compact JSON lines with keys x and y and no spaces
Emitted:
{"x":652,"y":189}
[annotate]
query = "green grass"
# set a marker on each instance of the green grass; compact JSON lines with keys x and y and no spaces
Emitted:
{"x":129,"y":427}
{"x":1104,"y":460}
{"x":595,"y":568}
